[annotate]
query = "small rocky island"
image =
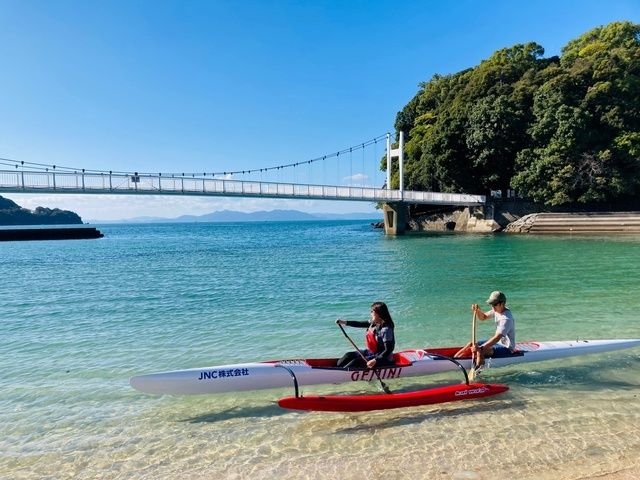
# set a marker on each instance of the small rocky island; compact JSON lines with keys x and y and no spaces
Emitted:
{"x":13,"y":214}
{"x":18,"y":223}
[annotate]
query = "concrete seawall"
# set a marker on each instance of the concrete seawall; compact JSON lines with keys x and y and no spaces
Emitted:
{"x":577,"y":223}
{"x":51,"y":232}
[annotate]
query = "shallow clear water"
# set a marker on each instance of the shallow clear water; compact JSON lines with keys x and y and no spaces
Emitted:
{"x":80,"y":317}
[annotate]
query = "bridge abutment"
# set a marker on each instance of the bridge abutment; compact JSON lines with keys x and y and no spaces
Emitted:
{"x":395,"y":218}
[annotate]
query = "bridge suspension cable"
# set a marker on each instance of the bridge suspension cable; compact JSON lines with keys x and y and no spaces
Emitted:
{"x":35,"y":166}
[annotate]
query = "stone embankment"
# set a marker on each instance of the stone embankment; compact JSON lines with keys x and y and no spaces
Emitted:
{"x":578,"y":223}
{"x":454,"y":220}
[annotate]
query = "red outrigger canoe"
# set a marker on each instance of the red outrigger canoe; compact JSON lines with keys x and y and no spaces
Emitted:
{"x":363,"y":403}
{"x":408,"y":363}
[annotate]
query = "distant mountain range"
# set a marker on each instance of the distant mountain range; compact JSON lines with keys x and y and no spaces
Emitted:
{"x":226,"y":216}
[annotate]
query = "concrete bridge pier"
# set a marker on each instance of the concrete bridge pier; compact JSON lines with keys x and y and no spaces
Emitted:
{"x":395,"y":218}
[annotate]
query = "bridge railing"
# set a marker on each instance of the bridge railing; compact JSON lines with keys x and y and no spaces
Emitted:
{"x":91,"y":182}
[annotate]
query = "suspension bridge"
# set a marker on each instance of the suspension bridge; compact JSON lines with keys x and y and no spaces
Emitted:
{"x":356,"y":185}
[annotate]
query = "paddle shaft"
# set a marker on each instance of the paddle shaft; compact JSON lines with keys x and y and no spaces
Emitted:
{"x":377,"y":374}
{"x":474,"y":322}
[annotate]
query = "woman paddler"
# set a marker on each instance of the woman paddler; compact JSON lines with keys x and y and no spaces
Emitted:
{"x":379,"y":340}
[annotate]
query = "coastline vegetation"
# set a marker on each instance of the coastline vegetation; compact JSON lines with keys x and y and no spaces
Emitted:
{"x":562,"y":131}
{"x":13,"y":214}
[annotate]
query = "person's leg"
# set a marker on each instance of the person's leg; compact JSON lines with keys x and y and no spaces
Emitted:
{"x":500,"y":350}
{"x":346,"y":359}
{"x":464,"y":351}
{"x":481,"y":354}
{"x":356,"y":362}
{"x":478,"y":358}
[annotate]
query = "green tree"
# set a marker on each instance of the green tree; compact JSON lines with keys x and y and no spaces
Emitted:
{"x":584,"y":147}
{"x":464,"y":130}
{"x":560,"y":130}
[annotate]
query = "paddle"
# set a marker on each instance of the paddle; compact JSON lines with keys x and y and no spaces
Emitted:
{"x":382,"y":384}
{"x":472,"y":373}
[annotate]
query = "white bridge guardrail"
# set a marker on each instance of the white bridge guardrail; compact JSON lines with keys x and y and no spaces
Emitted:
{"x":132,"y":184}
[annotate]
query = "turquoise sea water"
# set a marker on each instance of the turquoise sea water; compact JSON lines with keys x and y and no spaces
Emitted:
{"x":78,"y":318}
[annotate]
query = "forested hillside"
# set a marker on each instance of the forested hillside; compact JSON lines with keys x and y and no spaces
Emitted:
{"x":559,"y":131}
{"x":13,"y":214}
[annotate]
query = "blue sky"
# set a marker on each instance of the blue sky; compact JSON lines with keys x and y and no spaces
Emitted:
{"x":169,"y":86}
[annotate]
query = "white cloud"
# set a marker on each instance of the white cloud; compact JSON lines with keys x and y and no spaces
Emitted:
{"x":357,"y":180}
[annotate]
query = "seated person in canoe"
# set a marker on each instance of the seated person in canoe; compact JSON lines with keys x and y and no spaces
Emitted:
{"x":505,"y":336}
{"x":379,"y":340}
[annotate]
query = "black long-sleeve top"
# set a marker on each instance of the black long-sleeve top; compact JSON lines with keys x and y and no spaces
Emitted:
{"x":384,"y":336}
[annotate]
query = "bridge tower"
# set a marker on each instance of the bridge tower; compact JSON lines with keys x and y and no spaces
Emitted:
{"x":395,"y":213}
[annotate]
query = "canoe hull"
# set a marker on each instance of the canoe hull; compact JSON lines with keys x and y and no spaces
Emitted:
{"x":363,"y":403}
{"x":263,"y":375}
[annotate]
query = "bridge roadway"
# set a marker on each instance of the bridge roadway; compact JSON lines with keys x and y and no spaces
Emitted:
{"x":26,"y":181}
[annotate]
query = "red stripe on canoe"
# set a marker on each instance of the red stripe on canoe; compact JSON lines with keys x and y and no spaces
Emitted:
{"x":382,"y":401}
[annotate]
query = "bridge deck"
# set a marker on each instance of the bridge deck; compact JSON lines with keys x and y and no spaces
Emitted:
{"x":132,"y":184}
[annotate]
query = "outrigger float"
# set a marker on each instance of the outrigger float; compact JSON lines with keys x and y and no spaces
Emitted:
{"x":388,"y":400}
{"x":380,"y":401}
{"x":408,"y":363}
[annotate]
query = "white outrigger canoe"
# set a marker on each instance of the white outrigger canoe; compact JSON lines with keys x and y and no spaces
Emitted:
{"x":408,"y":363}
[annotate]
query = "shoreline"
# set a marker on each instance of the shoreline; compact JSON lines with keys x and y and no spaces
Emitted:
{"x":577,"y":223}
{"x":506,"y":220}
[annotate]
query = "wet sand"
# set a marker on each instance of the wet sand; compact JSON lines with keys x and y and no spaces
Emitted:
{"x":632,"y":473}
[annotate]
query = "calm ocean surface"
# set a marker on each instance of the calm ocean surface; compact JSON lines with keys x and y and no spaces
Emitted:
{"x":78,"y":318}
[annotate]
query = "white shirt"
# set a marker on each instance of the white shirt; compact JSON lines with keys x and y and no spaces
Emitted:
{"x":505,"y":326}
